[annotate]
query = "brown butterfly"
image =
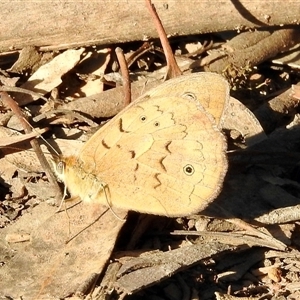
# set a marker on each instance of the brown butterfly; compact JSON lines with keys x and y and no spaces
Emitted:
{"x":163,"y":154}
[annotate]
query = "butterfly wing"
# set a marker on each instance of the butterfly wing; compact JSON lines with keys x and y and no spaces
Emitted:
{"x":162,"y":155}
{"x":211,"y":88}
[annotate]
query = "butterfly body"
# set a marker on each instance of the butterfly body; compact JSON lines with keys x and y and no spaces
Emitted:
{"x":161,"y":155}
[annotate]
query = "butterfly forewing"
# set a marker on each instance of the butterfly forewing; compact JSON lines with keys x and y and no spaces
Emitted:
{"x":163,"y":154}
{"x":157,"y":165}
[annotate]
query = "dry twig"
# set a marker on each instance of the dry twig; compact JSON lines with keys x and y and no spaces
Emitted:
{"x":9,"y":102}
{"x":125,"y":75}
{"x":173,"y":69}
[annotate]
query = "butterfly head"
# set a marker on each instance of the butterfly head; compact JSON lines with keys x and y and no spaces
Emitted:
{"x":59,"y":165}
{"x":63,"y":166}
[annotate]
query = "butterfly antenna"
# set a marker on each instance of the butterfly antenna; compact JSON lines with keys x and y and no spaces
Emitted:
{"x":42,"y":138}
{"x":109,"y":205}
{"x":62,"y":200}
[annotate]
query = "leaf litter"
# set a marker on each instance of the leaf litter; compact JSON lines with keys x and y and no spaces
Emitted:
{"x":45,"y":254}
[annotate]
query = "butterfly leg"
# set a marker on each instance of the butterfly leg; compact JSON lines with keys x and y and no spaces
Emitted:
{"x":105,"y":187}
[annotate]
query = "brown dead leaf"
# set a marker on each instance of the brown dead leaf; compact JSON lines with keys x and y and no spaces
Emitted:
{"x":94,"y":65}
{"x":48,"y":76}
{"x":46,"y":266}
{"x":152,"y":267}
{"x":238,"y":117}
{"x":7,"y":141}
{"x":28,"y":60}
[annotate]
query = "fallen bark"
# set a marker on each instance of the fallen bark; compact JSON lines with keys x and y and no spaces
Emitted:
{"x":65,"y":24}
{"x":257,"y":48}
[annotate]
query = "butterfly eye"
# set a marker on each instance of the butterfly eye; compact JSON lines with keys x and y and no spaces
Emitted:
{"x":143,"y":118}
{"x":60,"y":167}
{"x":189,"y":95}
{"x":188,"y":170}
{"x":156,"y":124}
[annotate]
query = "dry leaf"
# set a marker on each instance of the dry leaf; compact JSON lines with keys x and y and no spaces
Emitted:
{"x":47,"y":267}
{"x":48,"y":76}
{"x":94,"y":65}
